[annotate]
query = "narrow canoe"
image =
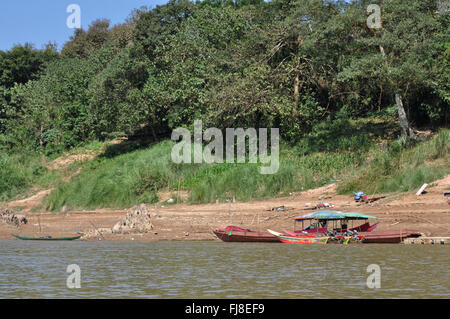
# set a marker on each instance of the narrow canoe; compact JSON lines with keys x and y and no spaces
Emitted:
{"x":45,"y":238}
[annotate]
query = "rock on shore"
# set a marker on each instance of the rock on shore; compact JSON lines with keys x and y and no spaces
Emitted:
{"x":139,"y":220}
{"x":11,"y":218}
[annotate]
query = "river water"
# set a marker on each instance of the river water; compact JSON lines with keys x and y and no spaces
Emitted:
{"x":201,"y":270}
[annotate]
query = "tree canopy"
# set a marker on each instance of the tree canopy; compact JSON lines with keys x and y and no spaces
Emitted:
{"x":285,"y":63}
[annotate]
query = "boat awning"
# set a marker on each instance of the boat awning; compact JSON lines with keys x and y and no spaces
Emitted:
{"x":357,"y":216}
{"x":333,"y":215}
{"x":321,"y":214}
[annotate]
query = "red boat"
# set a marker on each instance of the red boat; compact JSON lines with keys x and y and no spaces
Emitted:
{"x":388,"y":237}
{"x":238,"y":234}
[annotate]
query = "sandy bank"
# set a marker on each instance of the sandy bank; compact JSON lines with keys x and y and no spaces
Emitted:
{"x":429,"y":214}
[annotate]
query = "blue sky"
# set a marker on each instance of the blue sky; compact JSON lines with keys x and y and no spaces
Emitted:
{"x":41,"y":21}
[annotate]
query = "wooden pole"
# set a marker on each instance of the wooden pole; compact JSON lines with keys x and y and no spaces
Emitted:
{"x":253,"y":220}
{"x":39,"y":222}
{"x":258,"y":223}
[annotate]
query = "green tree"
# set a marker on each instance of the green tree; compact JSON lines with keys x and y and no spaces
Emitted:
{"x":153,"y":26}
{"x":83,"y":43}
{"x":23,"y":63}
{"x":112,"y":96}
{"x":399,"y":58}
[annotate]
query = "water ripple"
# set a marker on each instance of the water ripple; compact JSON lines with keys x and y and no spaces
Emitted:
{"x":220,"y":270}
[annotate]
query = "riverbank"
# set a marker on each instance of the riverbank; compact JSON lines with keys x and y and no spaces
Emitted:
{"x":428,"y":214}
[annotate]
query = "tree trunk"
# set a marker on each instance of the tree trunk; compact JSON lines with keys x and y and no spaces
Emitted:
{"x":296,"y":88}
{"x":41,"y":137}
{"x":407,"y":131}
{"x":297,"y":75}
{"x":404,"y":124}
{"x":155,"y":137}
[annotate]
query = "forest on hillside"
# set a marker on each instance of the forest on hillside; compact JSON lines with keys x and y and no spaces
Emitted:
{"x":283,"y":63}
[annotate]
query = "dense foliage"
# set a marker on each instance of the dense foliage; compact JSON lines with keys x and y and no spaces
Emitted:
{"x":335,"y":88}
{"x":284,"y":63}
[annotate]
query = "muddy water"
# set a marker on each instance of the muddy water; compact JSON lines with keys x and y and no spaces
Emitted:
{"x":221,"y":270}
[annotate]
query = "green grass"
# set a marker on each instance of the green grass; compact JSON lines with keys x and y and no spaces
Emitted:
{"x":136,"y":177}
{"x":133,"y":173}
{"x":391,"y":168}
{"x":20,"y":172}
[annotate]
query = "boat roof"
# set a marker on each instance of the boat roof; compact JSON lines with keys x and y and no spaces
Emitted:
{"x":332,"y":215}
{"x":321,"y":214}
{"x":353,"y":215}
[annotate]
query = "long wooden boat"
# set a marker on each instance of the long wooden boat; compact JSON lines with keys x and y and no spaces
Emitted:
{"x":237,"y":234}
{"x":45,"y":238}
{"x":307,"y":240}
{"x":388,"y":237}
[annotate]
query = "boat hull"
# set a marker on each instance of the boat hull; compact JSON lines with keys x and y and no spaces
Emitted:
{"x":304,"y":240}
{"x":245,"y":236}
{"x":300,"y":240}
{"x":46,"y":238}
{"x":388,"y":237}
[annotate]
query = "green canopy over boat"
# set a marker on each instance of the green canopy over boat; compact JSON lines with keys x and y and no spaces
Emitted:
{"x":357,"y":216}
{"x":333,"y":215}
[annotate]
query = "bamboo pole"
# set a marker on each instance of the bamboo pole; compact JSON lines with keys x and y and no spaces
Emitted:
{"x":259,"y":228}
{"x":39,"y":222}
{"x":253,"y":220}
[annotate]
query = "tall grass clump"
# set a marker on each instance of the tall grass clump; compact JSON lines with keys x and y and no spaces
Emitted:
{"x":118,"y":181}
{"x":14,"y":177}
{"x":20,"y":172}
{"x":137,"y":176}
{"x":243,"y":182}
{"x":397,"y":168}
{"x":124,"y":178}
